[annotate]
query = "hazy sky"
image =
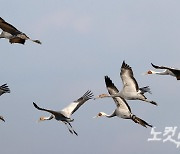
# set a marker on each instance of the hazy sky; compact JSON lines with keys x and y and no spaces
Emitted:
{"x":82,"y":41}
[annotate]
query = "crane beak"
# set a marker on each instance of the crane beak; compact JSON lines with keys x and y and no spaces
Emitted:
{"x":38,"y":121}
{"x":146,"y":73}
{"x":101,"y":96}
{"x":96,"y":116}
{"x":96,"y":97}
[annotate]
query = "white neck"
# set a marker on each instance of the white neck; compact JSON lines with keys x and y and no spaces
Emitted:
{"x":166,"y":72}
{"x":108,"y":116}
{"x":160,"y":73}
{"x":48,"y":118}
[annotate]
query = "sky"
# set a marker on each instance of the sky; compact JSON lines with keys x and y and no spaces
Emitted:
{"x":82,"y":41}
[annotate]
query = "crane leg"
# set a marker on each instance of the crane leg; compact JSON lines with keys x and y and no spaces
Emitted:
{"x":73,"y":129}
{"x":149,"y":101}
{"x":68,"y":128}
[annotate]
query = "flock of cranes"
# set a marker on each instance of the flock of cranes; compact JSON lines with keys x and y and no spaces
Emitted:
{"x":130,"y":90}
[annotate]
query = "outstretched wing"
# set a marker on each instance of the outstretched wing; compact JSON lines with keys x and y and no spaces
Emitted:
{"x":8,"y":27}
{"x":160,"y":67}
{"x":129,"y":82}
{"x":4,"y":89}
{"x":112,"y":91}
{"x":47,"y":110}
{"x":71,"y":108}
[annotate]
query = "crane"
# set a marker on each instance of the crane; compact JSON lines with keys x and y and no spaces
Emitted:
{"x":13,"y":34}
{"x":122,"y":110}
{"x":65,"y":114}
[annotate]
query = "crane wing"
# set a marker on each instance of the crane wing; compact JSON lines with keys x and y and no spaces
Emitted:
{"x":177,"y":73}
{"x":112,"y":91}
{"x":129,"y":82}
{"x":159,"y":67}
{"x":71,"y":108}
{"x":56,"y":113}
{"x":17,"y":40}
{"x":8,"y":27}
{"x":4,"y":89}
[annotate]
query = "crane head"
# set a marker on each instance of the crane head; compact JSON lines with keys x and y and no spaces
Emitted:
{"x":149,"y":72}
{"x":100,"y":114}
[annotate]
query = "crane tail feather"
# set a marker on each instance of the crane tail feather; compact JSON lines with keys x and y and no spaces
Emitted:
{"x":140,"y":121}
{"x":145,"y":89}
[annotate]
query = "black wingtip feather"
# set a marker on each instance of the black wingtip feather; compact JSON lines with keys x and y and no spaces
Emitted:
{"x":35,"y":105}
{"x":124,"y":65}
{"x":154,"y":65}
{"x":5,"y":88}
{"x":110,"y":84}
{"x":88,"y":95}
{"x":108,"y":81}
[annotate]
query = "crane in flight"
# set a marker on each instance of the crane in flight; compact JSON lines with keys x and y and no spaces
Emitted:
{"x":167,"y":71}
{"x":122,"y":110}
{"x":65,"y":114}
{"x":131,"y":90}
{"x":13,"y":34}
